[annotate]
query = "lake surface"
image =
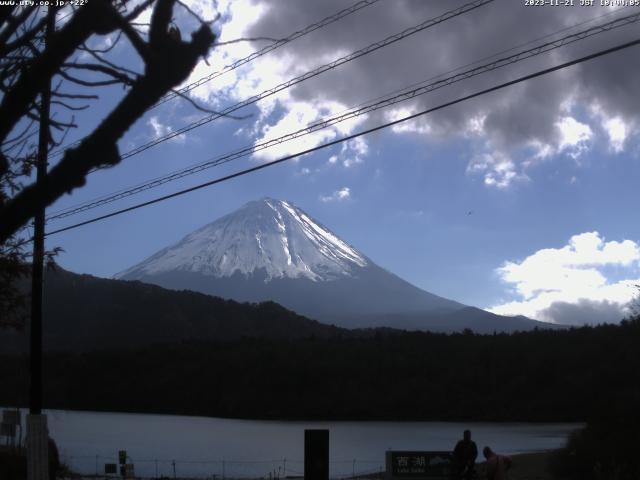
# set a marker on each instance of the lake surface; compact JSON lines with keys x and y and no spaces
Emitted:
{"x":207,"y":447}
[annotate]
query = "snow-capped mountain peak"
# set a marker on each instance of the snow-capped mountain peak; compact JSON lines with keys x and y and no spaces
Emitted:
{"x":270,"y":250}
{"x":267,"y":236}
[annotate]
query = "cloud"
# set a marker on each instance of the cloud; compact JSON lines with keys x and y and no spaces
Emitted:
{"x":419,"y":126}
{"x":206,"y":9}
{"x":501,"y":170}
{"x":283,"y":112}
{"x":617,"y":131}
{"x":587,"y":312}
{"x":574,"y":136}
{"x":570,"y":284}
{"x":498,"y":170}
{"x":298,"y":115}
{"x":351,"y":153}
{"x":337,"y":196}
{"x":354,"y":151}
{"x":528,"y":123}
{"x":160,"y":130}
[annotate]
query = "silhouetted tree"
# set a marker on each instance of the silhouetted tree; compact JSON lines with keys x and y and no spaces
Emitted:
{"x":28,"y":64}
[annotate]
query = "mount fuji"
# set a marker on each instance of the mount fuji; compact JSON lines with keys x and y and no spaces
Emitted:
{"x":272,"y":250}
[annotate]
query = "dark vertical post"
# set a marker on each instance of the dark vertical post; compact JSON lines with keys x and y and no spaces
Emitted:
{"x":316,"y":455}
{"x":37,"y":431}
{"x":35,"y":399}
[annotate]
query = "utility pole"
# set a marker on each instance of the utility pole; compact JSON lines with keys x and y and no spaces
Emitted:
{"x":37,"y":431}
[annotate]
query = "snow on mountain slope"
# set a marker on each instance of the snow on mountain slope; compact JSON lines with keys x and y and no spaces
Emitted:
{"x":269,"y":235}
{"x":270,"y":250}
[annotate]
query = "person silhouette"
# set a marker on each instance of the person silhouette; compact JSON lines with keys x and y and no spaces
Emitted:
{"x":496,"y":465}
{"x":464,"y":457}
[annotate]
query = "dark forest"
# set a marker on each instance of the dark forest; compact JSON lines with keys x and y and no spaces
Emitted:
{"x":567,"y":375}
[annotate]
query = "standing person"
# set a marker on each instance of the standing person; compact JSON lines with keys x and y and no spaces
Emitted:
{"x":464,"y":457}
{"x":496,"y":465}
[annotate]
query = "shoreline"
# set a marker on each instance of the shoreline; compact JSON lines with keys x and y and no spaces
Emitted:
{"x":304,"y":419}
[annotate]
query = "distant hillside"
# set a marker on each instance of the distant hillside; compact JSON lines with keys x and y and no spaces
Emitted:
{"x":84,"y":313}
{"x":467,"y":318}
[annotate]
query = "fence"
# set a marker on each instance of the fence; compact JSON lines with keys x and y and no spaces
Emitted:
{"x":221,"y":469}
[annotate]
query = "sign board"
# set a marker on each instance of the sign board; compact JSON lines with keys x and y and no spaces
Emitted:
{"x":110,"y":468}
{"x":418,"y":465}
{"x":122,"y":457}
{"x":11,"y":417}
{"x":7,"y":429}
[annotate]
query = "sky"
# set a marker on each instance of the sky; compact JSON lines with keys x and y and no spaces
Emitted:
{"x":522,"y":201}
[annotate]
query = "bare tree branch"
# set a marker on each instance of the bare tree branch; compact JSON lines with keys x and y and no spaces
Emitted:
{"x":62,"y":125}
{"x":104,"y":50}
{"x":160,"y":20}
{"x":100,"y":69}
{"x":75,"y":96}
{"x":138,"y":43}
{"x":69,"y":107}
{"x":206,"y":110}
{"x":249,"y":39}
{"x":88,"y":83}
{"x":13,"y":23}
{"x":138,"y":10}
{"x":107,"y":62}
{"x":5,"y":13}
{"x":24,"y":39}
{"x":19,"y":135}
{"x":169,"y":64}
{"x":95,"y":17}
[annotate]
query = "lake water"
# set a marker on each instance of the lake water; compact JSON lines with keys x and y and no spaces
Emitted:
{"x":207,"y":447}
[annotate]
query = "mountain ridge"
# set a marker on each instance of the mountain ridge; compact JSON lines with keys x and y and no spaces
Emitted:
{"x":272,"y":250}
{"x":87,"y":313}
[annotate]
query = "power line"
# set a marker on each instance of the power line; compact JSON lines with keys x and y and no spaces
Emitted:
{"x":353,"y":113}
{"x":249,"y":58}
{"x":310,"y":74}
{"x":488,"y":57}
{"x":214,"y":161}
{"x":356,"y":135}
{"x":319,"y":70}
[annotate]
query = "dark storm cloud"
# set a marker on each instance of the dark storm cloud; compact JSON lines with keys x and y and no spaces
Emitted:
{"x":514,"y":117}
{"x":585,"y":312}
